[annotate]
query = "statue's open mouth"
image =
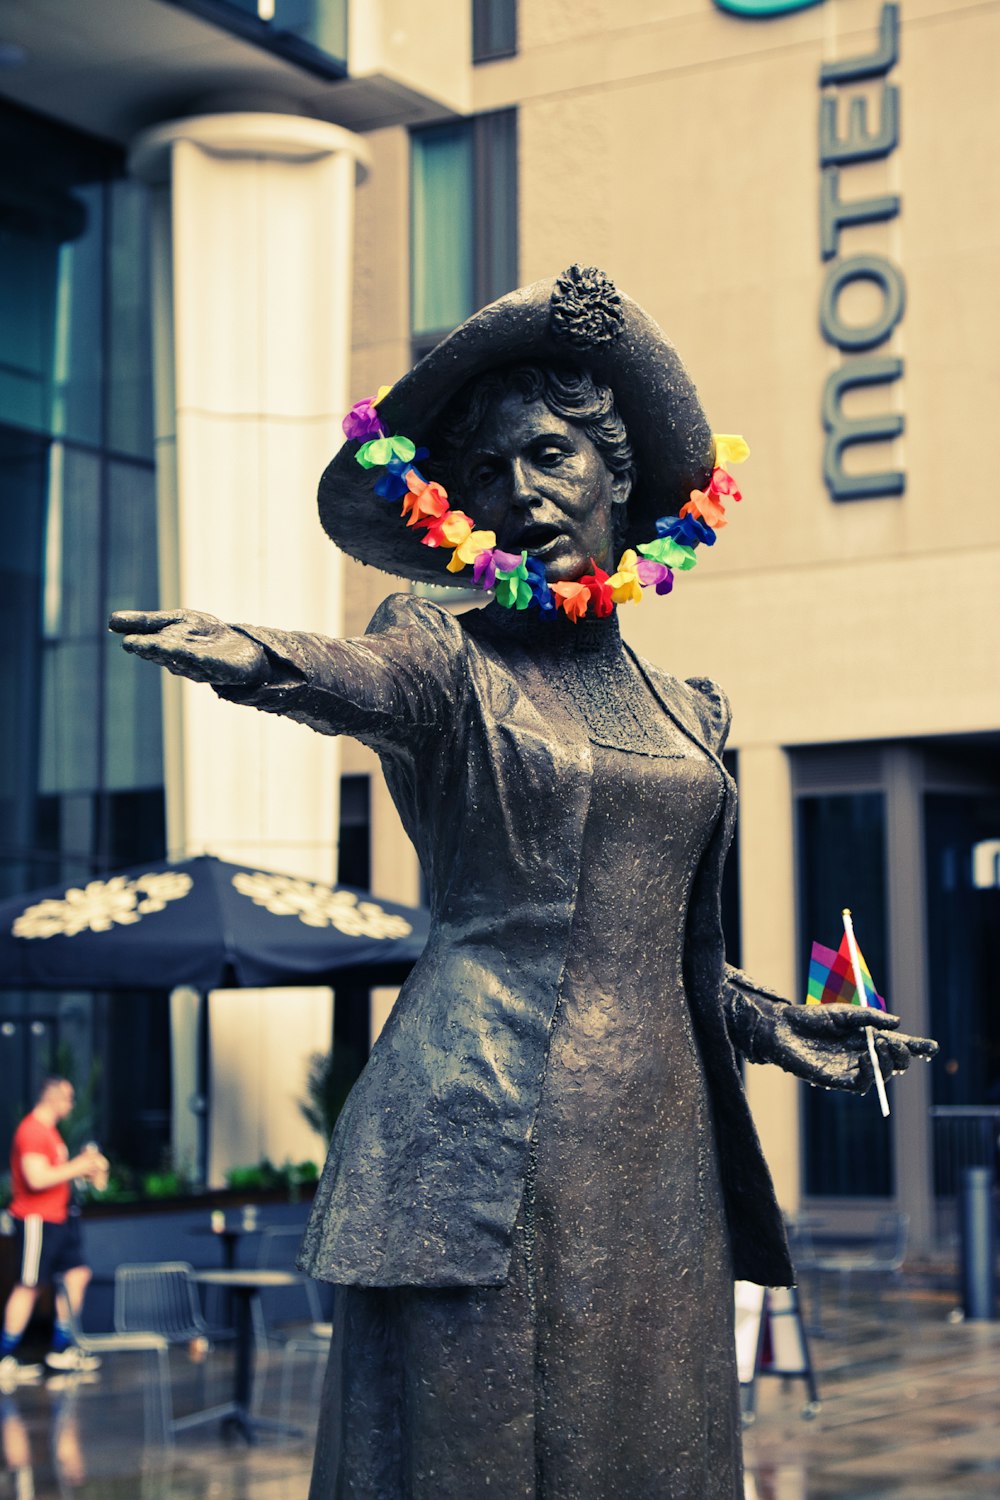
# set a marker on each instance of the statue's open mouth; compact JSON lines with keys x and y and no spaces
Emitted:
{"x":538,"y":539}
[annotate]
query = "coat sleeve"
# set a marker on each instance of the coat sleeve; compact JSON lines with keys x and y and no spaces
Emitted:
{"x":396,"y":685}
{"x":749,"y":1007}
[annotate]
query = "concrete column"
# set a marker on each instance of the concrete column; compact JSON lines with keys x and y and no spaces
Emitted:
{"x":253,"y":237}
{"x":911,"y":1101}
{"x":767,"y":893}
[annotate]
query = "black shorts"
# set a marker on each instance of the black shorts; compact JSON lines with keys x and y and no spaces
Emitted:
{"x":46,"y":1250}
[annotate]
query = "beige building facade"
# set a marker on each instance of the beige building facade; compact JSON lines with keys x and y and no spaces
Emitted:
{"x":805,"y":200}
{"x":679,"y":148}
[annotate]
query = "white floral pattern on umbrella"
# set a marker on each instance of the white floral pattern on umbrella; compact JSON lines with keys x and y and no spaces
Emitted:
{"x":101,"y":904}
{"x":321,"y":906}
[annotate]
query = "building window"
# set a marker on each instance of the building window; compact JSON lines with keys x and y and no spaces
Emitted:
{"x":842,"y":862}
{"x":463,"y":221}
{"x":354,"y":857}
{"x":494,"y":29}
{"x":81,"y":776}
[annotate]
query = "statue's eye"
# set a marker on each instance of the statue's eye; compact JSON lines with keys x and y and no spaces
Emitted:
{"x":484,"y":473}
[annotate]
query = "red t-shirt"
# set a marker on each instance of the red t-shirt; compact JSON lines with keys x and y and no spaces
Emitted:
{"x":33,"y":1138}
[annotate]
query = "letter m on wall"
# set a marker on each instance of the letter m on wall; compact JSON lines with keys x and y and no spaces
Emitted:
{"x":844,"y":431}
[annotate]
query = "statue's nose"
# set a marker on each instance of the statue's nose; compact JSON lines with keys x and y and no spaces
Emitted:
{"x":522,"y":486}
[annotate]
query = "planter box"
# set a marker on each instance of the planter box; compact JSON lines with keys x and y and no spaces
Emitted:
{"x":165,"y":1229}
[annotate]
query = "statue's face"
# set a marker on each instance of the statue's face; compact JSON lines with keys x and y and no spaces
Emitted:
{"x":542,"y":486}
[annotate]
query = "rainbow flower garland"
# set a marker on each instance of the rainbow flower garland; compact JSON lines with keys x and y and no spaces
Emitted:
{"x":517,"y":579}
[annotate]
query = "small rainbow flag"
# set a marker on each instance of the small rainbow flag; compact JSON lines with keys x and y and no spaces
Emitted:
{"x":831,"y":978}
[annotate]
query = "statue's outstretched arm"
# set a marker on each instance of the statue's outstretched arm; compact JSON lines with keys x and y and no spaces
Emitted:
{"x":191,"y":644}
{"x":824,"y":1044}
{"x":396,"y":685}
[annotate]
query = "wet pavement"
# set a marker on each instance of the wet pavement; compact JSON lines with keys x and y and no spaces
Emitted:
{"x":910,"y":1410}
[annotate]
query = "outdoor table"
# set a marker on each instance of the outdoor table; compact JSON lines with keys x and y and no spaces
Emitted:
{"x":229,"y":1237}
{"x":245,"y":1288}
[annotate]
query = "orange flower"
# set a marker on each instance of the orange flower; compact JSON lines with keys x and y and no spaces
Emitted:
{"x":426,"y":502}
{"x":450,"y":531}
{"x":574,"y":598}
{"x":704,"y":504}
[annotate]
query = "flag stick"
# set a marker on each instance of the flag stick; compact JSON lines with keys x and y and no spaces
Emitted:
{"x":863,"y":998}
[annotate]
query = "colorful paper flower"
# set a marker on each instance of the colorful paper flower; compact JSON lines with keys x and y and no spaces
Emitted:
{"x":541,"y":593}
{"x":380,"y":450}
{"x":665,"y":550}
{"x":688,"y":531}
{"x":730,"y":449}
{"x":484,"y":570}
{"x":362,"y":421}
{"x":425,"y":501}
{"x":704,"y":504}
{"x":599,"y":587}
{"x":391,"y":484}
{"x":574,"y":598}
{"x":624,"y":584}
{"x":724,"y":484}
{"x":654,"y":575}
{"x":466,"y":552}
{"x":450,"y":531}
{"x":513,"y":589}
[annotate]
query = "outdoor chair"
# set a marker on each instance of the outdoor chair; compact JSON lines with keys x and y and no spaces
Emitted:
{"x":879,"y":1257}
{"x":161,"y":1297}
{"x":291,"y":1319}
{"x":158,"y":1414}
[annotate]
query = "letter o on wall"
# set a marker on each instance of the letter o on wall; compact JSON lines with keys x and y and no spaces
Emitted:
{"x":861,"y":268}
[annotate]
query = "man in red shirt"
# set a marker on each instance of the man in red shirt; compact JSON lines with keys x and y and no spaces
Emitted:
{"x":48,"y":1234}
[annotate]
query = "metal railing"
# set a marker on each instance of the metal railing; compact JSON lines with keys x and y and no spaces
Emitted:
{"x":964,"y":1136}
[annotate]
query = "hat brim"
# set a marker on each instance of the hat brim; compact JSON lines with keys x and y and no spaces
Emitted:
{"x":655,"y":396}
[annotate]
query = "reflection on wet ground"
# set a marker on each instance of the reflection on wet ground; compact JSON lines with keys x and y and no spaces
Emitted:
{"x":910,"y":1406}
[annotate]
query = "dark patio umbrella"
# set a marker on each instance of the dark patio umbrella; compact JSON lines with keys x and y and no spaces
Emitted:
{"x":207,"y":924}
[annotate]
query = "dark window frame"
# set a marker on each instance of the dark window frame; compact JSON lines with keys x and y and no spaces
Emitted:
{"x":488,"y":281}
{"x":489,"y":17}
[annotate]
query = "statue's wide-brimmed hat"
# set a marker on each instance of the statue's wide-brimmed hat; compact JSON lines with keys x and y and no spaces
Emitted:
{"x":577,"y":318}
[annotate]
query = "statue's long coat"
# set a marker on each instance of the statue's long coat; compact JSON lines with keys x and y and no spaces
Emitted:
{"x":492,"y":780}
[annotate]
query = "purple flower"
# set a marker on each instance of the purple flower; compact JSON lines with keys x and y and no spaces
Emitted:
{"x":654,"y":574}
{"x":362,"y":421}
{"x":484,"y":569}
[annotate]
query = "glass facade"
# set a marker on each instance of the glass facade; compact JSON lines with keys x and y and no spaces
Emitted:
{"x":311,"y":33}
{"x":962,"y":844}
{"x":463,"y":230}
{"x":847,"y":1147}
{"x":80,"y":757}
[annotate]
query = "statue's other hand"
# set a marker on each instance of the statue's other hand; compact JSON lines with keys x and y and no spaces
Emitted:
{"x":193,"y":645}
{"x":827,"y":1045}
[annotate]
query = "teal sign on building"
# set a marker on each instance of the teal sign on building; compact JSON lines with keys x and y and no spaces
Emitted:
{"x":762,"y":8}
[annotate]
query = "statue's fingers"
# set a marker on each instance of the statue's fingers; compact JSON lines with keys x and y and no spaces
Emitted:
{"x":918,"y":1046}
{"x":840,"y":1020}
{"x":139,"y":621}
{"x":892,"y":1054}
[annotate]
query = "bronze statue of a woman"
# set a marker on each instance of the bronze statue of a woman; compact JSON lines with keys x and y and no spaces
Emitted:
{"x":541,"y":1188}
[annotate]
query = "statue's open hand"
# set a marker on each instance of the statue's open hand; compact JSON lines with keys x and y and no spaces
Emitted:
{"x":192,"y":645}
{"x":826,"y":1044}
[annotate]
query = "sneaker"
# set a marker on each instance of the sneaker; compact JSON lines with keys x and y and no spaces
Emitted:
{"x":72,"y":1360}
{"x":13,"y":1373}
